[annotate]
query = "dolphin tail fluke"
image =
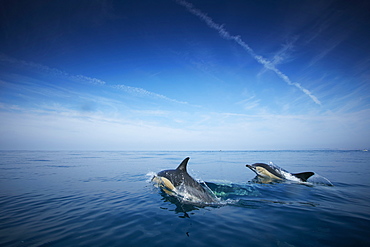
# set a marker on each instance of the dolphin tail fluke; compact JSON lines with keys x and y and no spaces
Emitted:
{"x":303,"y":175}
{"x":183,"y":165}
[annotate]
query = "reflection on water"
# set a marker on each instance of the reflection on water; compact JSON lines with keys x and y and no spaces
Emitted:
{"x":231,"y":191}
{"x":180,"y":207}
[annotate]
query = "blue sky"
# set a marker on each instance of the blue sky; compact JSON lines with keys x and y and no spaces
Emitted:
{"x":177,"y":75}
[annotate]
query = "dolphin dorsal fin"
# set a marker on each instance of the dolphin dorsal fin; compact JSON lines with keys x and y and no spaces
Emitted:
{"x":303,"y":175}
{"x":183,"y":165}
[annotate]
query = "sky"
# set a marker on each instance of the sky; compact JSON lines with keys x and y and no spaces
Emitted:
{"x":184,"y":75}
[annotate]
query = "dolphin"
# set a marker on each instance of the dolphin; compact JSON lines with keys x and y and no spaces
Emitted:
{"x":274,"y":172}
{"x":179,"y":183}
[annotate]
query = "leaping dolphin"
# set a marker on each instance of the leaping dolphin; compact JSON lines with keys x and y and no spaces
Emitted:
{"x":179,"y":183}
{"x":275,"y":172}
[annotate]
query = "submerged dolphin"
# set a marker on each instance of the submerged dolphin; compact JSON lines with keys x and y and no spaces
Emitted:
{"x":179,"y":182}
{"x":275,"y":172}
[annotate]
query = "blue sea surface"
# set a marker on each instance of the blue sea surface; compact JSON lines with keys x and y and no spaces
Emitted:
{"x":75,"y":198}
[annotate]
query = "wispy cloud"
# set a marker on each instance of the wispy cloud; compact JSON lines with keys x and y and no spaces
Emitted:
{"x":249,"y":103}
{"x":226,"y":35}
{"x":9,"y":107}
{"x":32,"y":65}
{"x":49,"y":70}
{"x":85,"y":79}
{"x":329,"y":45}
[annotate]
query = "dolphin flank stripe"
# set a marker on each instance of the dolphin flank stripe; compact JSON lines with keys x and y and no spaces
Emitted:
{"x":267,"y":170}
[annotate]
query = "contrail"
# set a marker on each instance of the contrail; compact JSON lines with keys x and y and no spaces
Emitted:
{"x":226,"y":35}
{"x":143,"y":92}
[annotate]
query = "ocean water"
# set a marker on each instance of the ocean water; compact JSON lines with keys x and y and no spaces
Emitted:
{"x":75,"y":198}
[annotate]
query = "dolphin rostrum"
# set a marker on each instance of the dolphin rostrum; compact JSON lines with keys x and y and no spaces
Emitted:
{"x":179,"y":183}
{"x":275,"y":172}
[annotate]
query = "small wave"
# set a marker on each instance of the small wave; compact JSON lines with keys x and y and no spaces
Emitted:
{"x":226,"y":193}
{"x":319,"y":180}
{"x":60,"y":166}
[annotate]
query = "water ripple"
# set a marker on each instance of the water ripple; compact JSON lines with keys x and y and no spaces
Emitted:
{"x":103,"y":199}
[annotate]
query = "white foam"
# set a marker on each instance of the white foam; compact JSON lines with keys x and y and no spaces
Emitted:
{"x":150,"y":176}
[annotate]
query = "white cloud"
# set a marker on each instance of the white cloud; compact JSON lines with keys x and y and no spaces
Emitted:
{"x":74,"y":130}
{"x":67,"y":129}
